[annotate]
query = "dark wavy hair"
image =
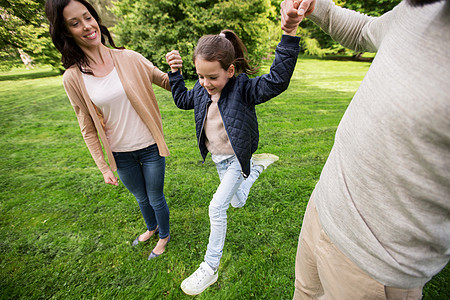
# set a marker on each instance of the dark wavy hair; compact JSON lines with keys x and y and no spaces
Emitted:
{"x":70,"y":51}
{"x":226,"y":48}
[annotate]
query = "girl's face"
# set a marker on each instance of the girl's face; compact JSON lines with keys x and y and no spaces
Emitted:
{"x":212,"y":76}
{"x":82,"y":26}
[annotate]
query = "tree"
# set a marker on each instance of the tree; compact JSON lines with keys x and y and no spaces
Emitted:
{"x":155,"y":27}
{"x":371,"y":7}
{"x":23,"y":25}
{"x":103,"y":8}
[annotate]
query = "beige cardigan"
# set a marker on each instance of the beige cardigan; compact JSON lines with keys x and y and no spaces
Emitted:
{"x":137,"y":75}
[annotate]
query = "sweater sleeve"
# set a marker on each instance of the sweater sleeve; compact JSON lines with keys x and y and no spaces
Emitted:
{"x":161,"y":79}
{"x":156,"y":75}
{"x":351,"y":29}
{"x":85,"y":122}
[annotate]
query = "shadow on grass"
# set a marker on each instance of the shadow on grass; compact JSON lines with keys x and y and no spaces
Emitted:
{"x":30,"y":74}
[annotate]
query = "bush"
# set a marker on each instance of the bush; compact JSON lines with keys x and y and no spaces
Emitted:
{"x":154,"y":28}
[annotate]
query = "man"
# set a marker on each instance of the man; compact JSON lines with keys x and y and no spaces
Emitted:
{"x":377,"y":225}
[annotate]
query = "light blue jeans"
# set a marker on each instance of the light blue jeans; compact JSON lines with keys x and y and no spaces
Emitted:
{"x":234,"y":189}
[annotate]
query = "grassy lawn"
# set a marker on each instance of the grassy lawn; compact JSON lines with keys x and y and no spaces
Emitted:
{"x":64,"y":234}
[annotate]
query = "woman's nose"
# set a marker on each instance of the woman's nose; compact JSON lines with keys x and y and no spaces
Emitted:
{"x":86,"y":26}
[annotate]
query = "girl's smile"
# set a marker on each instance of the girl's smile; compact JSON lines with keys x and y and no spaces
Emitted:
{"x":212,"y":76}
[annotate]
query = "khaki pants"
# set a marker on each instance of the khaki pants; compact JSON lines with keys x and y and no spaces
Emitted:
{"x":324,"y":272}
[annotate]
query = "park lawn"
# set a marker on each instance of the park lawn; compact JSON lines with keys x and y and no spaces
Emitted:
{"x":64,"y":234}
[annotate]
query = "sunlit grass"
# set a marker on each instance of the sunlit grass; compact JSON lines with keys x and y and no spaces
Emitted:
{"x":64,"y":234}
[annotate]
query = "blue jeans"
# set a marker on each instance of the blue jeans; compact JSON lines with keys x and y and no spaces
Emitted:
{"x":234,"y":189}
{"x":142,"y":173}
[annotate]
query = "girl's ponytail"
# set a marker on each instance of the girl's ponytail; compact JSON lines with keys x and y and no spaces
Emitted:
{"x":226,"y":48}
{"x":241,"y":61}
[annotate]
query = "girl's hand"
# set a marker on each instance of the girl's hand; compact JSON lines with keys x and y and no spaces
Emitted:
{"x":174,"y":60}
{"x":110,"y":178}
{"x":293,"y":12}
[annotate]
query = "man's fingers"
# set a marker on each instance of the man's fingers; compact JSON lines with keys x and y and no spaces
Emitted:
{"x":306,"y":7}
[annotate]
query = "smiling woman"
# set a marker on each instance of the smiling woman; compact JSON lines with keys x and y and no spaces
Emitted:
{"x":62,"y":35}
{"x":126,"y":118}
{"x":82,"y":27}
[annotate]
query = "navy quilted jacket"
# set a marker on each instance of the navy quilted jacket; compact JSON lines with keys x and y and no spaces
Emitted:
{"x":237,"y":101}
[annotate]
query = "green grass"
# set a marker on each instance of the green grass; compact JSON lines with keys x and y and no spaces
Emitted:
{"x":64,"y":234}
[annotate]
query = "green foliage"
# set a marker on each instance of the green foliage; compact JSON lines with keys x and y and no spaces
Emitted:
{"x":104,"y":10}
{"x":371,"y":7}
{"x":154,"y":28}
{"x":23,"y":25}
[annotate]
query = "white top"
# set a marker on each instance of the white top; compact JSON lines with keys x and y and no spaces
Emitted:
{"x":125,"y":130}
{"x":383,"y":196}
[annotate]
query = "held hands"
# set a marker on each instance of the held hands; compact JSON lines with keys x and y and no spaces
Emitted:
{"x":110,"y":178}
{"x":293,"y":12}
{"x":174,"y":60}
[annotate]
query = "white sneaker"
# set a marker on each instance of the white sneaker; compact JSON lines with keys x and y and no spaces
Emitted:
{"x":199,"y":280}
{"x":264,"y":159}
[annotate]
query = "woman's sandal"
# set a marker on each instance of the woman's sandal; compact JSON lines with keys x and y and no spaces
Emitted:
{"x":137,"y":241}
{"x":154,"y":255}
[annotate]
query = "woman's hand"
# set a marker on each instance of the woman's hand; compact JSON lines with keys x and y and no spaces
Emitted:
{"x":174,"y":60}
{"x":110,"y":178}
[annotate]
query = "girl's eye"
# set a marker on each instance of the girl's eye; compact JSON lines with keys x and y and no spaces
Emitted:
{"x":74,"y":24}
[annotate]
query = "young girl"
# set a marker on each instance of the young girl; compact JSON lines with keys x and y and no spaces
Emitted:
{"x":111,"y":93}
{"x":227,"y":127}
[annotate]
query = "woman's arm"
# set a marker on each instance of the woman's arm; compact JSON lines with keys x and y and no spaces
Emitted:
{"x":88,"y":130}
{"x":160,"y":79}
{"x":157,"y":76}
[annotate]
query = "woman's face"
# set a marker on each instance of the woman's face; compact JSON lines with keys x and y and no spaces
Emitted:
{"x":81,"y":25}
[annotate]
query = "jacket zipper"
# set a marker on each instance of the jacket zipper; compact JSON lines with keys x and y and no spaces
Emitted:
{"x":203,"y":126}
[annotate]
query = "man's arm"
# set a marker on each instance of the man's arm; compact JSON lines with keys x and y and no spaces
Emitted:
{"x":349,"y":28}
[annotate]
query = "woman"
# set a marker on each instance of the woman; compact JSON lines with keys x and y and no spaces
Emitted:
{"x":111,"y":93}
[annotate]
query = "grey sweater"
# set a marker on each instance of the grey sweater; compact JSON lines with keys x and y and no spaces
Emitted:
{"x":384,"y":194}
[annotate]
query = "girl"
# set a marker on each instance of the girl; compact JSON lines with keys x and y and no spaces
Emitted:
{"x":227,"y":127}
{"x":111,"y":93}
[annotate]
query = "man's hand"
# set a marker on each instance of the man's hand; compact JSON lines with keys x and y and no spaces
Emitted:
{"x":306,"y":7}
{"x":293,"y":12}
